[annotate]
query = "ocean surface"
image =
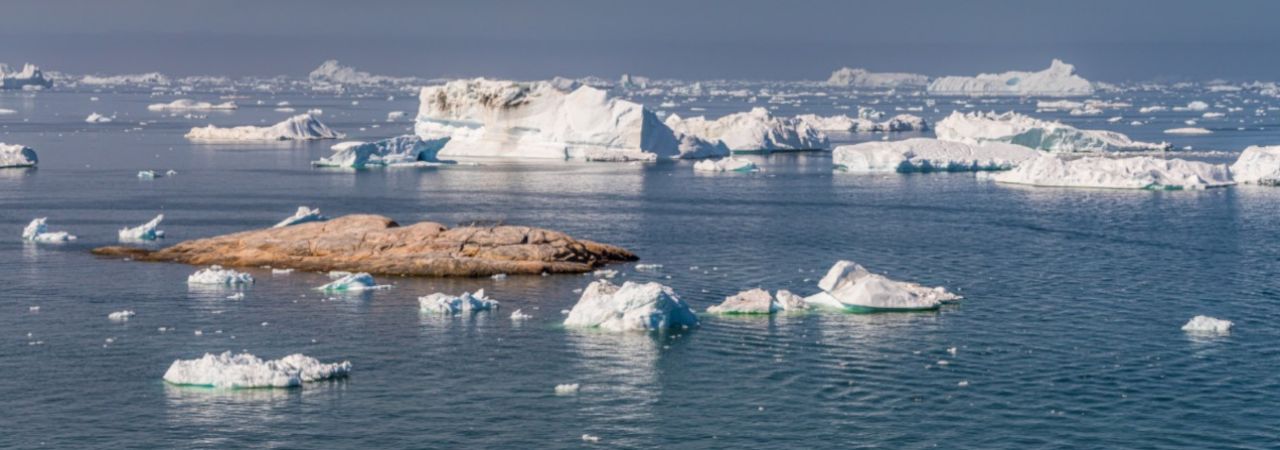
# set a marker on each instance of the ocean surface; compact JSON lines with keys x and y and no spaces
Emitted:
{"x":1068,"y":335}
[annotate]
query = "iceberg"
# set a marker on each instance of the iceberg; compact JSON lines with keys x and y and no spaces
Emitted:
{"x":114,"y":80}
{"x":300,"y":127}
{"x":1258,"y":165}
{"x":332,"y":72}
{"x":1206,"y":324}
{"x":450,"y":304}
{"x":1011,"y":127}
{"x":216,"y":275}
{"x":397,"y":151}
{"x":1058,"y":80}
{"x":353,"y":282}
{"x":38,"y":231}
{"x":120,"y":316}
{"x":631,"y":307}
{"x":186,"y":104}
{"x":729,"y":164}
{"x":850,"y":287}
{"x":844,"y":123}
{"x":303,"y":215}
{"x":1190,"y":131}
{"x":98,"y":118}
{"x":144,"y":232}
{"x":244,"y":370}
{"x":758,"y":301}
{"x":861,"y":78}
{"x":30,"y":77}
{"x":1142,"y":172}
{"x":14,"y":155}
{"x":753,"y":131}
{"x":928,"y":155}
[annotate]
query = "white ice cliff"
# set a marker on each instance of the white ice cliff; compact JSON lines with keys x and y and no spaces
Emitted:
{"x":1258,"y":165}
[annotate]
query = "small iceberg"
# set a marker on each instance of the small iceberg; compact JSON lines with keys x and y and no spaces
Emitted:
{"x":1059,"y":79}
{"x":144,"y":232}
{"x":1142,"y":172}
{"x":631,"y":307}
{"x":186,"y":104}
{"x":244,"y":370}
{"x":301,"y":127}
{"x":754,"y":131}
{"x":38,"y":231}
{"x":1258,"y":165}
{"x":978,"y":128}
{"x":1207,"y":325}
{"x":98,"y":118}
{"x":398,"y":151}
{"x":303,"y":215}
{"x":13,"y":155}
{"x":850,"y":287}
{"x":120,"y":316}
{"x":450,"y":305}
{"x":758,"y":301}
{"x":928,"y":155}
{"x":353,"y":282}
{"x":1188,"y":131}
{"x":728,"y":164}
{"x":846,"y":124}
{"x":216,"y":275}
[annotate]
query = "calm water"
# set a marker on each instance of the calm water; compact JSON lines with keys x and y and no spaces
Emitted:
{"x":1068,"y":337}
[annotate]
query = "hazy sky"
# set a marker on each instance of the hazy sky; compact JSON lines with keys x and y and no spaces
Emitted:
{"x":1111,"y":40}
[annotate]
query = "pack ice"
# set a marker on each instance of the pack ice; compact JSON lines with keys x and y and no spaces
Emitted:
{"x":630,"y":307}
{"x":14,"y":155}
{"x":1141,"y":172}
{"x":928,"y":155}
{"x":1014,"y":128}
{"x":303,"y":215}
{"x":244,"y":370}
{"x":1058,"y":80}
{"x":757,"y":130}
{"x":300,"y":127}
{"x":850,"y":287}
{"x":30,"y":77}
{"x":398,"y":151}
{"x":144,"y":232}
{"x":1258,"y":165}
{"x":186,"y":104}
{"x":456,"y":304}
{"x":38,"y":231}
{"x":862,"y":78}
{"x":758,"y":301}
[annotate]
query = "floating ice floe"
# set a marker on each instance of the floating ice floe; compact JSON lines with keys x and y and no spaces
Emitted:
{"x":121,"y":316}
{"x":1190,"y":131}
{"x":303,"y":215}
{"x":244,"y":370}
{"x":38,"y":231}
{"x":216,"y":275}
{"x":1058,"y":80}
{"x":186,"y":104}
{"x":850,"y":287}
{"x":519,"y":314}
{"x":928,"y":155}
{"x":632,"y":306}
{"x":758,"y":301}
{"x":754,"y":131}
{"x":144,"y":232}
{"x":844,"y":123}
{"x":449,"y":304}
{"x":567,"y":388}
{"x":1258,"y":165}
{"x":1014,"y":128}
{"x":862,"y":78}
{"x":1140,"y":172}
{"x":1206,"y":324}
{"x":98,"y":118}
{"x":300,"y":127}
{"x":14,"y":155}
{"x":353,"y":282}
{"x":29,"y":77}
{"x":728,"y":164}
{"x":397,"y":151}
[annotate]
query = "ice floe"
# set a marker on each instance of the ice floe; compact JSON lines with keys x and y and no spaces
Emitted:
{"x":1015,"y":128}
{"x":353,"y":282}
{"x":850,"y":287}
{"x":299,"y":127}
{"x":244,"y":370}
{"x":862,"y":78}
{"x":1258,"y":165}
{"x":38,"y":231}
{"x":1057,"y":80}
{"x":216,"y":275}
{"x":632,"y":306}
{"x":757,"y":130}
{"x":14,"y":155}
{"x":144,"y":232}
{"x":1140,"y":172}
{"x":186,"y":104}
{"x":928,"y":155}
{"x":29,"y":77}
{"x":303,"y":215}
{"x":1209,"y":325}
{"x":398,"y":151}
{"x":440,"y":303}
{"x":120,"y":316}
{"x":1192,"y":131}
{"x":728,"y":164}
{"x":758,"y":301}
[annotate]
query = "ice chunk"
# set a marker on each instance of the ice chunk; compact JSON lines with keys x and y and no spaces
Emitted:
{"x":353,"y":282}
{"x":303,"y":215}
{"x":633,"y":306}
{"x":186,"y":104}
{"x":216,"y":275}
{"x":244,"y":370}
{"x":403,"y":150}
{"x":148,"y":174}
{"x":1058,"y":80}
{"x":1188,"y":131}
{"x":1258,"y":165}
{"x":1014,"y":128}
{"x":844,"y":123}
{"x":861,"y":78}
{"x":29,"y":77}
{"x":928,"y":155}
{"x":758,"y":301}
{"x":121,"y":316}
{"x":299,"y":127}
{"x":144,"y":232}
{"x":97,"y":118}
{"x":850,"y":287}
{"x":13,"y":155}
{"x":520,"y":315}
{"x":1206,"y":324}
{"x":753,"y":131}
{"x":567,"y":389}
{"x":38,"y":231}
{"x":1143,"y":172}
{"x":1197,"y":106}
{"x":448,"y":304}
{"x":729,"y":164}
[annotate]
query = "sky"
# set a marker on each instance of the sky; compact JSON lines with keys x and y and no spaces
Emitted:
{"x":1115,"y":40}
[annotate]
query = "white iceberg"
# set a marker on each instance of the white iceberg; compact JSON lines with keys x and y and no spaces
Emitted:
{"x":14,"y":155}
{"x":633,"y":306}
{"x":862,"y":78}
{"x":120,"y":316}
{"x":729,"y":164}
{"x":38,"y":231}
{"x":1191,"y":131}
{"x":850,"y":287}
{"x":1142,"y":172}
{"x":758,"y":301}
{"x":98,"y":118}
{"x":331,"y":72}
{"x":1258,"y":165}
{"x":1058,"y":80}
{"x":844,"y":123}
{"x":353,"y":282}
{"x":397,"y":151}
{"x":451,"y":304}
{"x":216,"y":275}
{"x":29,"y":77}
{"x":155,"y":78}
{"x":303,"y":215}
{"x":244,"y":370}
{"x":754,"y":131}
{"x":300,"y":127}
{"x":186,"y":104}
{"x":144,"y":232}
{"x":1206,"y":324}
{"x":1013,"y":128}
{"x":928,"y":155}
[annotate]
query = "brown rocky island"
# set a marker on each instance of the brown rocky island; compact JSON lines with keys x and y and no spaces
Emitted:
{"x":380,"y":246}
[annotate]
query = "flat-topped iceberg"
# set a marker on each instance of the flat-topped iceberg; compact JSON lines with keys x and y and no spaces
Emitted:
{"x":754,"y":131}
{"x":1189,"y":131}
{"x":1258,"y":165}
{"x":440,"y":303}
{"x":144,"y":232}
{"x":303,"y":215}
{"x":38,"y":231}
{"x":928,"y":155}
{"x":186,"y":104}
{"x":14,"y":155}
{"x":156,"y":78}
{"x":1015,"y":128}
{"x":397,"y":151}
{"x":1209,"y":325}
{"x":728,"y":164}
{"x":244,"y":370}
{"x":862,"y":78}
{"x":300,"y":127}
{"x":1058,"y":80}
{"x":850,"y":287}
{"x":1140,"y":172}
{"x":548,"y":120}
{"x":631,"y":307}
{"x":216,"y":275}
{"x":758,"y":301}
{"x":844,"y":123}
{"x":353,"y":282}
{"x":30,"y":77}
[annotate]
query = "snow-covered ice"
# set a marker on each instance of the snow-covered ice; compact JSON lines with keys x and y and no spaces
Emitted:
{"x":632,"y":306}
{"x":1015,"y":128}
{"x":1139,"y":172}
{"x":244,"y":370}
{"x":38,"y":231}
{"x":1206,"y":324}
{"x":440,"y":303}
{"x":14,"y":155}
{"x":186,"y":104}
{"x":727,"y":164}
{"x":299,"y":127}
{"x":303,"y":215}
{"x":753,"y":131}
{"x":1258,"y":165}
{"x":1057,"y":80}
{"x":216,"y":275}
{"x":397,"y":151}
{"x":353,"y":282}
{"x":849,"y":286}
{"x":144,"y":232}
{"x":862,"y":78}
{"x":928,"y":155}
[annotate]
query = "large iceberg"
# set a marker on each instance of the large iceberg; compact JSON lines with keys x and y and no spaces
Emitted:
{"x":403,"y":150}
{"x":844,"y":123}
{"x":30,"y":77}
{"x":850,"y":287}
{"x":1258,"y":165}
{"x":753,"y":131}
{"x":300,"y":127}
{"x":14,"y":155}
{"x":303,"y":215}
{"x":186,"y":104}
{"x":633,"y":306}
{"x":549,"y":120}
{"x":38,"y":231}
{"x":1058,"y":80}
{"x":144,"y":232}
{"x":456,"y":304}
{"x":1014,"y":128}
{"x":244,"y":370}
{"x":1141,"y":172}
{"x":758,"y":301}
{"x":928,"y":155}
{"x":861,"y":78}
